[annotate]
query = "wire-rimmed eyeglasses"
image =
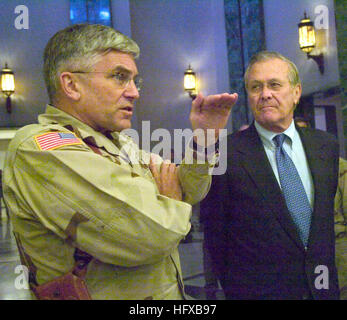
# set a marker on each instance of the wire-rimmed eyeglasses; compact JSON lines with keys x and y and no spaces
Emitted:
{"x":123,"y":79}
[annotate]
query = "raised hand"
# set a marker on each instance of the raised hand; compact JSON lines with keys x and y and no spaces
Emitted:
{"x":212,"y":112}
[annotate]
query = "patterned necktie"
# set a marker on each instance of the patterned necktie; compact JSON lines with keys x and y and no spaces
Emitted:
{"x":293,"y":190}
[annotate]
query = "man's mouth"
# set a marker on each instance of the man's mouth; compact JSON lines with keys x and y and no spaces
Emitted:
{"x":266,"y":107}
{"x":128,"y":109}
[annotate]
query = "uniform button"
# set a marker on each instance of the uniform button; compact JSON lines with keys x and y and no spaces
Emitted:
{"x":81,"y":265}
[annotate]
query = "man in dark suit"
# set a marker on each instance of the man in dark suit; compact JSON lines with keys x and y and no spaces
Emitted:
{"x":258,"y":246}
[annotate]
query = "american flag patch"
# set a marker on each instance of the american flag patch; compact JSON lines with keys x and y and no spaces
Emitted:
{"x":54,"y":140}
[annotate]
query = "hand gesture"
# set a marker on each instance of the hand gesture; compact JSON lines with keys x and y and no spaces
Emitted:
{"x":167,"y":179}
{"x":212,"y":112}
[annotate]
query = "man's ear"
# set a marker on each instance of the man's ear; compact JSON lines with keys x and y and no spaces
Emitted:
{"x":70,"y":85}
{"x":297,"y":93}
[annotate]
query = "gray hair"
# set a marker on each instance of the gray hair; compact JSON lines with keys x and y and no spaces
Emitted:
{"x":81,"y":46}
{"x":293,"y":73}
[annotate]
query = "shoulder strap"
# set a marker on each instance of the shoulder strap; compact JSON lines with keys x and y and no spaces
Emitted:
{"x":82,"y":259}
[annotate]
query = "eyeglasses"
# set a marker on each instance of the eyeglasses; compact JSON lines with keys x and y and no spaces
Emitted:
{"x":122,"y":79}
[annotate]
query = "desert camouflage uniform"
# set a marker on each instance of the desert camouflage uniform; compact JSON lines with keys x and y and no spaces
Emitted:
{"x":95,"y":195}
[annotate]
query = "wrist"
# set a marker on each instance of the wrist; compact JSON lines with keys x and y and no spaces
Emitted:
{"x":207,"y":150}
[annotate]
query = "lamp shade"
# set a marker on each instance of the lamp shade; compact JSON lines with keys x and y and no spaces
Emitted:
{"x":307,"y":37}
{"x":189,"y":80}
{"x":7,"y":81}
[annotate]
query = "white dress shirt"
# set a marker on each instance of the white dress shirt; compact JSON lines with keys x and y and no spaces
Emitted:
{"x":296,"y":152}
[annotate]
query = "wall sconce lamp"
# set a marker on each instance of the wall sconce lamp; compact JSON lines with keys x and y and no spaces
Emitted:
{"x":190,"y":82}
{"x":307,"y":41}
{"x":7,"y":85}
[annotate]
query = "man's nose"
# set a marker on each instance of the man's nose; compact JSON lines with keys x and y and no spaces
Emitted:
{"x":266,"y":93}
{"x":131,"y":91}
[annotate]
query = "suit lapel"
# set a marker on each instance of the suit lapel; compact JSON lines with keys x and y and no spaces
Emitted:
{"x":255,"y":161}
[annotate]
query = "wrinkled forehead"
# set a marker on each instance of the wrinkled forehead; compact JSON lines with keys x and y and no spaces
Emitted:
{"x":268,"y":66}
{"x":116,"y":61}
{"x":269,"y":69}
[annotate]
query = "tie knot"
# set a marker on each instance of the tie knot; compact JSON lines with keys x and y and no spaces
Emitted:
{"x":279,"y":139}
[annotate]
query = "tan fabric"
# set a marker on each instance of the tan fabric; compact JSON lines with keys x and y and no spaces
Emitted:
{"x":101,"y":202}
{"x":341,"y":228}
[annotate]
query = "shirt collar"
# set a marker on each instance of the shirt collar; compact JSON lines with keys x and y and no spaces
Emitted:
{"x":266,"y":135}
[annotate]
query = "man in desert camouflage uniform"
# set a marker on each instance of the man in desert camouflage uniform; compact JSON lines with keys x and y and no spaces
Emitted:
{"x":74,"y":180}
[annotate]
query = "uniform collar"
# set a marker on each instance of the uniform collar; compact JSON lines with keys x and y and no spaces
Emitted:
{"x":54,"y":115}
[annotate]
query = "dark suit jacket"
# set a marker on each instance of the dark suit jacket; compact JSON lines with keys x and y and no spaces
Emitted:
{"x":256,"y":250}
